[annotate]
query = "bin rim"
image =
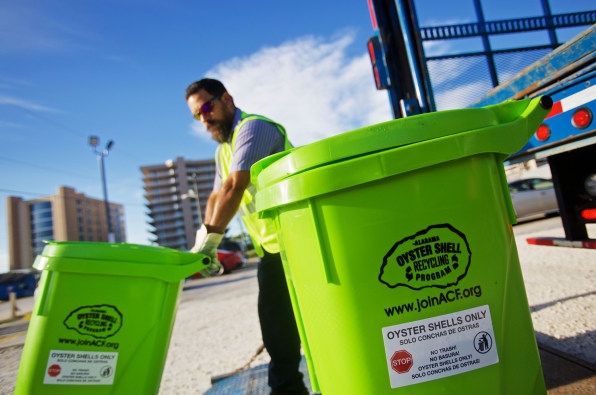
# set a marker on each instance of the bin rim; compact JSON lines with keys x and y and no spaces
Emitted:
{"x":501,"y":139}
{"x":358,"y":142}
{"x":100,"y":257}
{"x":95,"y":250}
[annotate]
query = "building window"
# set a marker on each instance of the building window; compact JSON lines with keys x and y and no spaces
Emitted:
{"x":41,"y":225}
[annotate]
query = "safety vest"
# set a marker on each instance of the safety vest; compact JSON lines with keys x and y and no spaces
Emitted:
{"x":262,"y":231}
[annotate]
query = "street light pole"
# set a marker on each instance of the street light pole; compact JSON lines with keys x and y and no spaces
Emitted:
{"x":194,"y":194}
{"x":196,"y":190}
{"x":94,"y":142}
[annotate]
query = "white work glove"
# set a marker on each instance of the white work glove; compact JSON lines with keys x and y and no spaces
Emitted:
{"x":207,"y":243}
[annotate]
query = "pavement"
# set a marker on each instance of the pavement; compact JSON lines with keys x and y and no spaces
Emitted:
{"x":206,"y":342}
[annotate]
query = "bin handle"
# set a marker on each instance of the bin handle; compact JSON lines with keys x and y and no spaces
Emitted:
{"x":319,"y":232}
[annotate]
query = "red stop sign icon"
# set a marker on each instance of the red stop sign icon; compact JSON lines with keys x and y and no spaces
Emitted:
{"x":54,"y":370}
{"x":401,"y":361}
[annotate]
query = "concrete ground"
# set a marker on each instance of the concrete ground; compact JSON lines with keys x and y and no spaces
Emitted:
{"x":216,"y":328}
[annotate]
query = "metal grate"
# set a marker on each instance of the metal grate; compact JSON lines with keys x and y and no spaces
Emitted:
{"x":459,"y":81}
{"x":251,"y":381}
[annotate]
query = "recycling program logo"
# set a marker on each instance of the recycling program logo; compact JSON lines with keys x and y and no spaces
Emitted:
{"x":99,"y":321}
{"x":438,"y":256}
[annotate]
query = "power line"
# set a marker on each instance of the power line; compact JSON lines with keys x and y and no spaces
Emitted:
{"x":37,"y":194}
{"x":37,"y":115}
{"x":41,"y":167}
{"x":70,"y":130}
{"x":11,"y":191}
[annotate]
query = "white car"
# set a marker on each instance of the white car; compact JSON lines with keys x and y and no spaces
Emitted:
{"x":533,"y":196}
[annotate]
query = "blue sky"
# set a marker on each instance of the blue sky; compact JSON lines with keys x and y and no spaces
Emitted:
{"x":118,"y":69}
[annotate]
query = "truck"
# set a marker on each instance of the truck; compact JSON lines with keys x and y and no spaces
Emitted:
{"x":566,"y":139}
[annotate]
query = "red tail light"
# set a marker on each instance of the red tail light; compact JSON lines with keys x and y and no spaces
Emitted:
{"x":543,"y":133}
{"x":589,"y":214}
{"x":582,"y":118}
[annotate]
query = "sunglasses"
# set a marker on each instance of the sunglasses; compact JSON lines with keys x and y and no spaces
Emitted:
{"x":206,"y":107}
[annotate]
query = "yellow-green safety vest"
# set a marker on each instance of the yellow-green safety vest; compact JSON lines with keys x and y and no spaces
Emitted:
{"x":262,"y":231}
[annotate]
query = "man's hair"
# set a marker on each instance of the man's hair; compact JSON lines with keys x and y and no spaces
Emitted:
{"x":211,"y":86}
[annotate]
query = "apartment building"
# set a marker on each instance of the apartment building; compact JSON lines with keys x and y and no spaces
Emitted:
{"x":66,"y":216}
{"x":176,"y":195}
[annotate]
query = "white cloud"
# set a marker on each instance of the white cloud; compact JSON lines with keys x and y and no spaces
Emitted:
{"x":25,"y":104}
{"x":197,"y":129}
{"x":37,"y":29}
{"x":10,"y":83}
{"x":309,"y":85}
{"x":315,"y":90}
{"x":11,"y":125}
{"x":23,"y":28}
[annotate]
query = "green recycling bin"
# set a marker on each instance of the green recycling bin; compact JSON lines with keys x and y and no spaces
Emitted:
{"x":400,"y":257}
{"x":102,"y":318}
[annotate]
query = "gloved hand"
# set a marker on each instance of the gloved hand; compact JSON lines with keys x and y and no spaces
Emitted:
{"x":207,"y":243}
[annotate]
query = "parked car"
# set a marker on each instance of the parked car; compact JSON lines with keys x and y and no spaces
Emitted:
{"x":231,"y":256}
{"x":22,"y":283}
{"x":533,"y":196}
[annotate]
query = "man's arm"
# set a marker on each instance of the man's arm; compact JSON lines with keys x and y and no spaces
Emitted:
{"x":223,"y":204}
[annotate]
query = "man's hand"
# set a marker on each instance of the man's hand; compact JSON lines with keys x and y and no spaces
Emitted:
{"x":207,"y":243}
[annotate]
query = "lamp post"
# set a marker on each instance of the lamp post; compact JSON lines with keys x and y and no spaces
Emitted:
{"x":194,"y":194}
{"x":94,"y":142}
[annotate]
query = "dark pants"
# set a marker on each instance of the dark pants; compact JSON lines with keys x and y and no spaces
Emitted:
{"x":278,"y":326}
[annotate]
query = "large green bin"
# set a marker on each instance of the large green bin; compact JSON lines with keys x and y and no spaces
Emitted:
{"x":102,"y":318}
{"x":400,"y":257}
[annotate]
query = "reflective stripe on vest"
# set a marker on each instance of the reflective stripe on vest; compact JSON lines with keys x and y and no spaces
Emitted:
{"x":262,"y":231}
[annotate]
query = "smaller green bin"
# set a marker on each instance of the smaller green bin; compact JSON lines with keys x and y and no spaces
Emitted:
{"x":400,"y":256}
{"x":102,"y":318}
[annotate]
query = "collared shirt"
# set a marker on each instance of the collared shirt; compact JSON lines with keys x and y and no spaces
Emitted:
{"x":256,"y":140}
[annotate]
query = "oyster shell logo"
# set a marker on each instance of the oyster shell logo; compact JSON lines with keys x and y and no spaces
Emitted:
{"x":438,"y":256}
{"x":99,"y":321}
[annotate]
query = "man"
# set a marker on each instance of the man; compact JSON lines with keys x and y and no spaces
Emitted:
{"x":243,"y":140}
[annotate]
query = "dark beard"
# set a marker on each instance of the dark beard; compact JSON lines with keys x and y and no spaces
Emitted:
{"x":222,"y":130}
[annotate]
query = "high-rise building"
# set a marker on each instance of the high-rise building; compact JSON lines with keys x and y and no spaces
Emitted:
{"x":66,"y":216}
{"x":176,"y":194}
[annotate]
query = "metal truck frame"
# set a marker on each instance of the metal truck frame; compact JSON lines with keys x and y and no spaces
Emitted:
{"x":566,"y":139}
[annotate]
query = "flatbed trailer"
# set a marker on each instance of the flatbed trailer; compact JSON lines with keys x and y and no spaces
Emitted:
{"x":567,"y":74}
{"x":567,"y":138}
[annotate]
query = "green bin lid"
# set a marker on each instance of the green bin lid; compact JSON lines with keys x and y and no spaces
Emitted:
{"x":383,"y":136}
{"x":119,"y":259}
{"x":393,"y":147}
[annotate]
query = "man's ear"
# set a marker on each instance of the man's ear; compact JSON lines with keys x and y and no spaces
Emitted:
{"x":228,"y":99}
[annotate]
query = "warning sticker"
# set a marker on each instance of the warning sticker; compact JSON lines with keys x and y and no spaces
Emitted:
{"x":440,"y":347}
{"x":80,"y":368}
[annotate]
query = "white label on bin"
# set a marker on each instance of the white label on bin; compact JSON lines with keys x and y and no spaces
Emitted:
{"x":80,"y":368}
{"x":440,"y":347}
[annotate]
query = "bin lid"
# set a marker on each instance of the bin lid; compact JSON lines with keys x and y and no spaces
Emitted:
{"x":383,"y":136}
{"x":120,"y":259}
{"x":395,"y":147}
{"x":120,"y":252}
